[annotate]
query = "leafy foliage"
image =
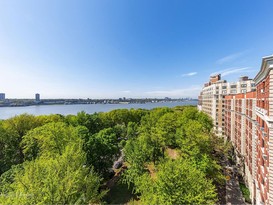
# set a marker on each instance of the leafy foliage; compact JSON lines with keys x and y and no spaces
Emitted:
{"x":11,"y":133}
{"x":57,"y":172}
{"x":50,"y":139}
{"x":180,"y":181}
{"x":59,"y":159}
{"x":62,"y":179}
{"x":245,"y":192}
{"x":102,"y":149}
{"x":177,"y":182}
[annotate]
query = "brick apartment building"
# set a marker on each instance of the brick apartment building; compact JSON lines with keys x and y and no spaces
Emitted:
{"x":240,"y":129}
{"x":247,"y":121}
{"x":264,"y":148}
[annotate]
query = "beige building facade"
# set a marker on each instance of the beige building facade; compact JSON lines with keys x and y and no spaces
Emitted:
{"x":213,"y":95}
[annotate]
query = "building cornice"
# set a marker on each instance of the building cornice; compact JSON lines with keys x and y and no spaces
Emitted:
{"x":267,"y":65}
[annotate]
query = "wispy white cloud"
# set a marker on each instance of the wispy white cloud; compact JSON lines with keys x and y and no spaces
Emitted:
{"x":231,"y":71}
{"x":189,"y":74}
{"x":183,"y":92}
{"x":126,"y":91}
{"x":230,"y":57}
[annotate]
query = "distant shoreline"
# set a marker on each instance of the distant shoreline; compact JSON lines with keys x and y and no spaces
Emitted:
{"x":73,"y":109}
{"x":30,"y":102}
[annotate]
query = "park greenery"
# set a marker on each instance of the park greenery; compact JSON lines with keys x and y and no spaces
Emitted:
{"x":170,"y":156}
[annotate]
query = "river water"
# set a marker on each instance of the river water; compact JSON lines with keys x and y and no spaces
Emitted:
{"x":7,"y":112}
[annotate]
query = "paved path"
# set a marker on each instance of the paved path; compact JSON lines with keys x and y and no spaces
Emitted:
{"x":233,"y":192}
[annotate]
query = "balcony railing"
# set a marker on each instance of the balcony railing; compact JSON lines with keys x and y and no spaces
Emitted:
{"x":262,"y":169}
{"x":262,"y":150}
{"x":261,"y":111}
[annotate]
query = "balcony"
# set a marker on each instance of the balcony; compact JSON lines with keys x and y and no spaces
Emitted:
{"x":261,"y":111}
{"x":262,"y":169}
{"x":262,"y":148}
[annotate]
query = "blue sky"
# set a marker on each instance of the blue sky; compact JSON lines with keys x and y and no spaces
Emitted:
{"x":129,"y":48}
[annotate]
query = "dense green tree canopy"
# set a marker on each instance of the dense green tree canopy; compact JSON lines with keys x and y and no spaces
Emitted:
{"x":60,"y":180}
{"x":169,"y":156}
{"x":182,"y":180}
{"x":177,"y":182}
{"x":57,"y":172}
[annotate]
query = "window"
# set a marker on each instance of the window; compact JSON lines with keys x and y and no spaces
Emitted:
{"x":233,"y":91}
{"x":243,"y":91}
{"x":252,"y":84}
{"x":224,"y":87}
{"x":233,"y":86}
{"x":243,"y":85}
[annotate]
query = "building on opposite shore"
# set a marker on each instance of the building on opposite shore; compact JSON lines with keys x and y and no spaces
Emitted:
{"x":2,"y":96}
{"x":213,"y":94}
{"x":37,"y":97}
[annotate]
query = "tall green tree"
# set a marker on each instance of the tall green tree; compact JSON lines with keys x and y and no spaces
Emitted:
{"x":102,"y":150}
{"x":60,"y":180}
{"x":11,"y":133}
{"x":136,"y":156}
{"x":57,"y":172}
{"x":177,"y":182}
{"x":50,"y":139}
